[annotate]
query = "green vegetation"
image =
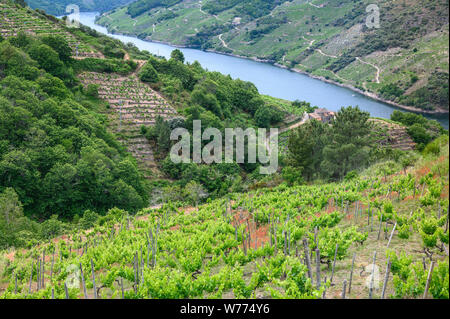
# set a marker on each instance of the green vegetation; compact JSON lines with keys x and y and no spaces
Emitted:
{"x":58,"y":7}
{"x":250,"y":245}
{"x":55,"y":149}
{"x":327,"y":39}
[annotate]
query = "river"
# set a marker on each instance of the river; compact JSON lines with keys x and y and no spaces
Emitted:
{"x":269,"y":79}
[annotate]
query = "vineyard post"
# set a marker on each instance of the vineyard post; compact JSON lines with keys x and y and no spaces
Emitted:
{"x":392,"y":234}
{"x":423,"y":188}
{"x":318,"y":268}
{"x":308,"y":261}
{"x":83,"y":282}
{"x":38,"y":279}
{"x":446,"y":223}
{"x":414,"y":190}
{"x":43,"y":269}
{"x":15,"y":286}
{"x":334,"y":263}
{"x":351,"y":274}
{"x":289,"y":242}
{"x":93,"y":279}
{"x":285,"y":242}
{"x":368,"y":215}
{"x":53,"y":293}
{"x":135,"y":273}
{"x":386,"y":277}
{"x":427,"y":286}
{"x":372,"y":276}
{"x":381,"y":223}
{"x":325,"y":290}
{"x":344,"y":289}
{"x":371,"y":220}
{"x":31,"y":277}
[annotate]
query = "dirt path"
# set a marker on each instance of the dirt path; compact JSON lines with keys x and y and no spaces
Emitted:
{"x":310,"y":42}
{"x":285,"y":129}
{"x":223,"y":42}
{"x":315,"y":5}
{"x":377,"y":77}
{"x":327,"y":55}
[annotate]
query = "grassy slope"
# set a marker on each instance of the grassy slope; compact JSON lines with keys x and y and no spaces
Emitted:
{"x":184,"y":230}
{"x":312,"y":44}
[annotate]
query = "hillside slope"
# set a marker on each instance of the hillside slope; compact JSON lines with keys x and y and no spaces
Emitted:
{"x":58,"y":7}
{"x":270,"y":243}
{"x":405,"y":61}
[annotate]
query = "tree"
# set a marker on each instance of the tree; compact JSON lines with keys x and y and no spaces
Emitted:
{"x":148,"y":74}
{"x":349,"y":142}
{"x":47,"y":58}
{"x":305,"y":145}
{"x":60,"y":45}
{"x":10,"y":212}
{"x":177,"y":55}
{"x":195,"y":192}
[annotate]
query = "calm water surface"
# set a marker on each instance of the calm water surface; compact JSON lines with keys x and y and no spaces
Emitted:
{"x":269,"y":79}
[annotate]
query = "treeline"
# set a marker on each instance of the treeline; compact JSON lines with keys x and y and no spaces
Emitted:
{"x":330,"y":152}
{"x":55,"y":150}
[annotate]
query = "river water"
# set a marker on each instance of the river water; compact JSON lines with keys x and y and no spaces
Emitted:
{"x":269,"y":79}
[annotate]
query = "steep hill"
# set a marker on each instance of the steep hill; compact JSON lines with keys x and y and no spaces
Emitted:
{"x":404,"y":61}
{"x":58,"y":7}
{"x":299,"y":242}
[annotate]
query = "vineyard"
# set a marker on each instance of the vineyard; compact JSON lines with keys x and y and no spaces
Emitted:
{"x":133,"y":105}
{"x":383,"y":234}
{"x":15,"y":20}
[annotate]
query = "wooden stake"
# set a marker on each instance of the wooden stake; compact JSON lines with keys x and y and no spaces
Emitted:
{"x":351,"y":274}
{"x":392,"y":234}
{"x":386,"y":277}
{"x":308,"y":261}
{"x":318,"y":268}
{"x":344,"y":289}
{"x":83,"y":282}
{"x":427,"y":286}
{"x":379,"y":230}
{"x":334,"y":263}
{"x":372,"y":276}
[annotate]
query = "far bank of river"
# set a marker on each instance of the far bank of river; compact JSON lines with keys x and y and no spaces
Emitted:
{"x":269,"y":79}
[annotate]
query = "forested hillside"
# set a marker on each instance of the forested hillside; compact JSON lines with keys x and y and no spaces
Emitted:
{"x":404,"y":61}
{"x":58,"y":7}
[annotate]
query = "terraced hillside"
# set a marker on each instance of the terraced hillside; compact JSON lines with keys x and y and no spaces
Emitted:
{"x":314,"y":241}
{"x":394,"y":135}
{"x":14,"y":19}
{"x":134,"y":104}
{"x":403,"y":61}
